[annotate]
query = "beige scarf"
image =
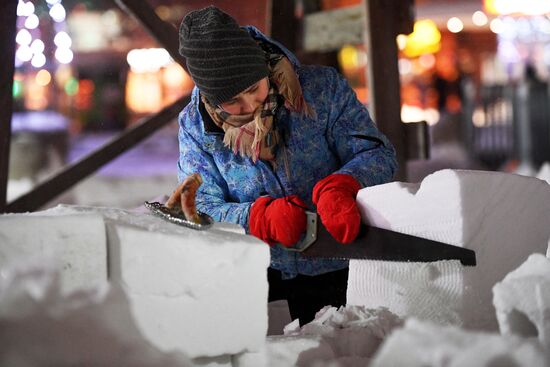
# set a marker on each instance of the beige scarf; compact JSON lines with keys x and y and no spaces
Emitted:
{"x":253,"y":135}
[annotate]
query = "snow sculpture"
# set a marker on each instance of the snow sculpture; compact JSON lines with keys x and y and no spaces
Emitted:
{"x":522,"y":300}
{"x":421,"y":344}
{"x":503,"y":217}
{"x":200,"y":292}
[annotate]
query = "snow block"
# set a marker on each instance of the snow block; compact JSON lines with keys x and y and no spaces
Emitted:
{"x":522,"y":300}
{"x":502,"y":217}
{"x":76,"y":243}
{"x":421,"y":344}
{"x":200,"y":292}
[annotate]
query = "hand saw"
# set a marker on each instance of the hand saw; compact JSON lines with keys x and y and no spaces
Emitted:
{"x":378,"y":244}
{"x":372,"y":242}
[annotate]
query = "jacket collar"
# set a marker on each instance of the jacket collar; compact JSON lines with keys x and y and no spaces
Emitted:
{"x":210,"y":126}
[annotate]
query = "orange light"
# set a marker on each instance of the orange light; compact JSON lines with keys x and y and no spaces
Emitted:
{"x":43,"y":78}
{"x":489,"y":6}
{"x":425,"y":39}
{"x":143,"y":92}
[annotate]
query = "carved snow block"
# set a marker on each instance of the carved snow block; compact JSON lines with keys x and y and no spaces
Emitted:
{"x":502,"y":217}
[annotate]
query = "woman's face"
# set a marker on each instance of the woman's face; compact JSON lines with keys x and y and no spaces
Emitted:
{"x":249,"y":100}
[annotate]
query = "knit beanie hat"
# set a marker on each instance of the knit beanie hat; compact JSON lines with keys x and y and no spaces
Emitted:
{"x":221,"y":57}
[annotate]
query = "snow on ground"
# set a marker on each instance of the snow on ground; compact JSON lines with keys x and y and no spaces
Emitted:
{"x":41,"y":326}
{"x":99,"y":325}
{"x":421,"y":344}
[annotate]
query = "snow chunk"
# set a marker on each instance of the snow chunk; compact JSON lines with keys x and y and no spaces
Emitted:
{"x":522,"y":300}
{"x":421,"y":344}
{"x":40,"y":326}
{"x":503,"y":217}
{"x":352,"y":331}
{"x":76,"y":242}
{"x":544,"y":172}
{"x":187,"y":286}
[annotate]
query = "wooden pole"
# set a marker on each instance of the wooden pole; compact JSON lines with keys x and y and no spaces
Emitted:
{"x":284,"y":26}
{"x":165,"y":33}
{"x":75,"y":172}
{"x":8,"y":18}
{"x":385,"y":20}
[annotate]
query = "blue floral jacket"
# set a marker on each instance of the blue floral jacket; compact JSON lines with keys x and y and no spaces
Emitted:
{"x":340,"y":138}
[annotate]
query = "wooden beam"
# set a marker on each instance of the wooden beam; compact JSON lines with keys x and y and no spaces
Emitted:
{"x":284,"y":26}
{"x":165,"y":33}
{"x":8,"y":18}
{"x":75,"y":172}
{"x":384,"y":21}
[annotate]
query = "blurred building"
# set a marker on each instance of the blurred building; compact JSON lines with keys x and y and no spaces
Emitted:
{"x":474,"y":71}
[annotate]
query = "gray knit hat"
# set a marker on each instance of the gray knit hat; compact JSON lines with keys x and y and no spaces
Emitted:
{"x":221,"y":57}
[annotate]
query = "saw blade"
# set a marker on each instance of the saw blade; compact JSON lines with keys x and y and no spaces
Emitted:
{"x":375,"y":243}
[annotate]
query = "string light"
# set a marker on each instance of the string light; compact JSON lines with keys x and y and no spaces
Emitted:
{"x":64,"y":55}
{"x":496,"y":26}
{"x":62,"y":40}
{"x":32,"y":21}
{"x":24,"y":9}
{"x":479,"y":18}
{"x":37,"y":46}
{"x":23,"y":37}
{"x":57,"y":12}
{"x":38,"y":60}
{"x":455,"y":25}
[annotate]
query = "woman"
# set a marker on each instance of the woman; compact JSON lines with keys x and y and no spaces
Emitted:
{"x":271,"y":138}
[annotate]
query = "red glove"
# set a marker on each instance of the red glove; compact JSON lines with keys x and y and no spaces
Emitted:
{"x":334,"y":197}
{"x":278,"y":220}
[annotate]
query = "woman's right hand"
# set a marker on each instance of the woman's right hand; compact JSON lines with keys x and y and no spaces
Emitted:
{"x":280,"y":220}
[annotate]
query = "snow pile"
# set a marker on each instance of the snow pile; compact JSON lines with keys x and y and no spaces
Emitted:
{"x":522,"y":300}
{"x":344,"y":336}
{"x":502,"y":217}
{"x":421,"y":344}
{"x":351,"y":331}
{"x":200,"y":292}
{"x":41,"y":326}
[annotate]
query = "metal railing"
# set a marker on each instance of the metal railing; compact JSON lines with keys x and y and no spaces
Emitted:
{"x":508,"y":122}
